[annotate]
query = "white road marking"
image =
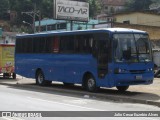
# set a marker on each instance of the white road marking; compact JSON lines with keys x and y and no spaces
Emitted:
{"x":12,"y":118}
{"x":92,"y":109}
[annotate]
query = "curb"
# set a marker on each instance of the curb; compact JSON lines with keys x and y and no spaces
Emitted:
{"x":85,"y":94}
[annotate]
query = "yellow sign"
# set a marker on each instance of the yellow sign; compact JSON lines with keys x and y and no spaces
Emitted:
{"x":7,"y":58}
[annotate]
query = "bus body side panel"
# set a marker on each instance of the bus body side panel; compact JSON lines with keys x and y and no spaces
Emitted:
{"x":75,"y":65}
{"x":25,"y":65}
{"x":56,"y":67}
{"x":52,"y":66}
{"x":108,"y":80}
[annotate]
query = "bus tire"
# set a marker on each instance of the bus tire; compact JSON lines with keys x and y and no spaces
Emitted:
{"x":122,"y":88}
{"x":90,"y":84}
{"x":40,"y":79}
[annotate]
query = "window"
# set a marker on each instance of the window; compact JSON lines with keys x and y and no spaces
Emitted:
{"x":49,"y":42}
{"x":35,"y":45}
{"x":126,"y":22}
{"x":106,"y":7}
{"x":51,"y":27}
{"x":132,"y":48}
{"x":79,"y":44}
{"x":56,"y":45}
{"x":62,"y":26}
{"x":76,"y":43}
{"x":43,"y":28}
{"x":84,"y":43}
{"x":102,"y":47}
{"x":67,"y":44}
{"x":24,"y":45}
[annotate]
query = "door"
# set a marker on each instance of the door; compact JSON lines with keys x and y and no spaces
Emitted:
{"x":102,"y":53}
{"x":102,"y":58}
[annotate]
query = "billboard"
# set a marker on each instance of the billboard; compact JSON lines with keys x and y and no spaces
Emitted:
{"x":71,"y":10}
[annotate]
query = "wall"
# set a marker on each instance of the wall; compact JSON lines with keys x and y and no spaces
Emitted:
{"x":139,"y":18}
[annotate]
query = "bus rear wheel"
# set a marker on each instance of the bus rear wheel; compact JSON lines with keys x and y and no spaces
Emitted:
{"x":40,"y":79}
{"x":122,"y":88}
{"x":90,"y":84}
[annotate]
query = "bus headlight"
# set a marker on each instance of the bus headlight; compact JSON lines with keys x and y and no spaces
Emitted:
{"x":119,"y":70}
{"x":150,"y":69}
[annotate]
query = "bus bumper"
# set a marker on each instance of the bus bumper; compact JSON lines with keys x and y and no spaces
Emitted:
{"x":133,"y":79}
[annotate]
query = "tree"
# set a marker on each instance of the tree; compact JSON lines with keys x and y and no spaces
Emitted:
{"x":47,"y":8}
{"x":4,"y":7}
{"x":94,"y":7}
{"x":138,"y":5}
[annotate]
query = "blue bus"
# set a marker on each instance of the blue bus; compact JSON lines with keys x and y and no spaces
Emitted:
{"x":113,"y":57}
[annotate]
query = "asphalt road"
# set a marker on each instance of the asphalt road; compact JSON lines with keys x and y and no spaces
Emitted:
{"x":18,"y":99}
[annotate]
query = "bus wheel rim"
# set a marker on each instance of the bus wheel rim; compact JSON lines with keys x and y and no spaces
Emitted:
{"x":40,"y":78}
{"x":91,"y":83}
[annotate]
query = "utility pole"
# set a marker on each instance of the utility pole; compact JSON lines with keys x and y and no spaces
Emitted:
{"x":33,"y":14}
{"x":71,"y":25}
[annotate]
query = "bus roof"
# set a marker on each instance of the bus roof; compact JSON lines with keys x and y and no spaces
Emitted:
{"x":125,"y":30}
{"x":111,"y":30}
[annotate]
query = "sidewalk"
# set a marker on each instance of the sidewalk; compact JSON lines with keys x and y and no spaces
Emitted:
{"x":144,"y":94}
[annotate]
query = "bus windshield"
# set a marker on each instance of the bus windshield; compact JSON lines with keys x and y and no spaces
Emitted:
{"x":132,"y":48}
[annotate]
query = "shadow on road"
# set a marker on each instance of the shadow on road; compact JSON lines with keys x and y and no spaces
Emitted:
{"x":77,"y":91}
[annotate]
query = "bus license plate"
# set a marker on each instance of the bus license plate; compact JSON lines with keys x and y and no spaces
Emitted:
{"x":139,"y":77}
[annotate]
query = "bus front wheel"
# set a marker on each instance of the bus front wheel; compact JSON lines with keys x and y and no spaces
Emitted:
{"x":90,"y":84}
{"x":40,"y":79}
{"x":122,"y":88}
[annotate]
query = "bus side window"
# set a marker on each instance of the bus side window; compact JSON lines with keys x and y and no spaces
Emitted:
{"x":55,"y":45}
{"x":101,"y":43}
{"x":78,"y":44}
{"x":83,"y":44}
{"x":88,"y":43}
{"x":67,"y":44}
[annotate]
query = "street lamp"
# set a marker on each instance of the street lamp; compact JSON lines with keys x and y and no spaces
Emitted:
{"x":33,"y":14}
{"x":29,"y":25}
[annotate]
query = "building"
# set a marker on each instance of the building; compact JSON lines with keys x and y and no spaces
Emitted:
{"x":155,"y":7}
{"x":13,"y":15}
{"x":8,"y":38}
{"x":63,"y":25}
{"x":109,"y":7}
{"x":138,"y":18}
{"x":147,"y":20}
{"x":112,"y":6}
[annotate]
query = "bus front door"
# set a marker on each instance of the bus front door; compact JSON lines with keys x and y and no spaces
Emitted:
{"x":102,"y":58}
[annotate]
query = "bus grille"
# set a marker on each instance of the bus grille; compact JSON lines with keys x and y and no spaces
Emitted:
{"x":137,"y":71}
